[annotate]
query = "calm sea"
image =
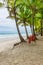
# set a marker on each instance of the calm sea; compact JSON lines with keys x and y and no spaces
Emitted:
{"x":12,"y":35}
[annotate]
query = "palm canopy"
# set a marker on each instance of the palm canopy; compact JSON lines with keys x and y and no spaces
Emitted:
{"x":26,"y":9}
{"x":22,"y":11}
{"x":23,"y":14}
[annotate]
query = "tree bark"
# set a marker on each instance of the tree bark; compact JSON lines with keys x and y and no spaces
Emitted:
{"x":21,"y":38}
{"x":33,"y":25}
{"x":26,"y":29}
{"x":41,"y":27}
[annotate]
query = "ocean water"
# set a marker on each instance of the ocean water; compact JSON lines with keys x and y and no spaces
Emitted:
{"x":12,"y":35}
{"x":15,"y":33}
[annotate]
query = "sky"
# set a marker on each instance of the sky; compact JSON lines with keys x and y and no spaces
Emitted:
{"x":8,"y":25}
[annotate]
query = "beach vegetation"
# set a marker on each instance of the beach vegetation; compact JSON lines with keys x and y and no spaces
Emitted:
{"x":27,"y":12}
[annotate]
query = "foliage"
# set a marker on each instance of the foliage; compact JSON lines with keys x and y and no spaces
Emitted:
{"x":30,"y":11}
{"x":1,"y":4}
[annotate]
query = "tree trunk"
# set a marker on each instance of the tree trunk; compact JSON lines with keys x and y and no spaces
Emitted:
{"x":26,"y":29}
{"x":21,"y":38}
{"x":33,"y":26}
{"x":33,"y":17}
{"x":41,"y":28}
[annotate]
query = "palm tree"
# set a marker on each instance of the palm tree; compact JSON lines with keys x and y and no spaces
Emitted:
{"x":31,"y":4}
{"x":23,"y":14}
{"x":40,"y":10}
{"x":12,"y":9}
{"x":34,"y":6}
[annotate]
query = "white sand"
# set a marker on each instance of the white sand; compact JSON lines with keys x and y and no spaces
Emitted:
{"x":24,"y":54}
{"x":8,"y":42}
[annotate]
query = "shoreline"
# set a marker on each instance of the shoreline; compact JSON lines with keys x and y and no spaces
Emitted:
{"x":8,"y":42}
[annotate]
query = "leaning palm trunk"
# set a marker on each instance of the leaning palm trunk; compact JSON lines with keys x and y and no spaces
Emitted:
{"x":21,"y":38}
{"x":33,"y":25}
{"x":41,"y":27}
{"x":26,"y":29}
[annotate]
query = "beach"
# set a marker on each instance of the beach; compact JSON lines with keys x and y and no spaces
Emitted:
{"x":7,"y":42}
{"x":20,"y":19}
{"x":23,"y":54}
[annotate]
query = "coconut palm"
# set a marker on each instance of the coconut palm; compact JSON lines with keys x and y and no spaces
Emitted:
{"x":12,"y":11}
{"x":31,"y":4}
{"x":34,"y":9}
{"x":23,"y":15}
{"x":40,"y":10}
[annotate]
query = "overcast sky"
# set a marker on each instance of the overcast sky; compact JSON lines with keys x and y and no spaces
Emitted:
{"x":8,"y":25}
